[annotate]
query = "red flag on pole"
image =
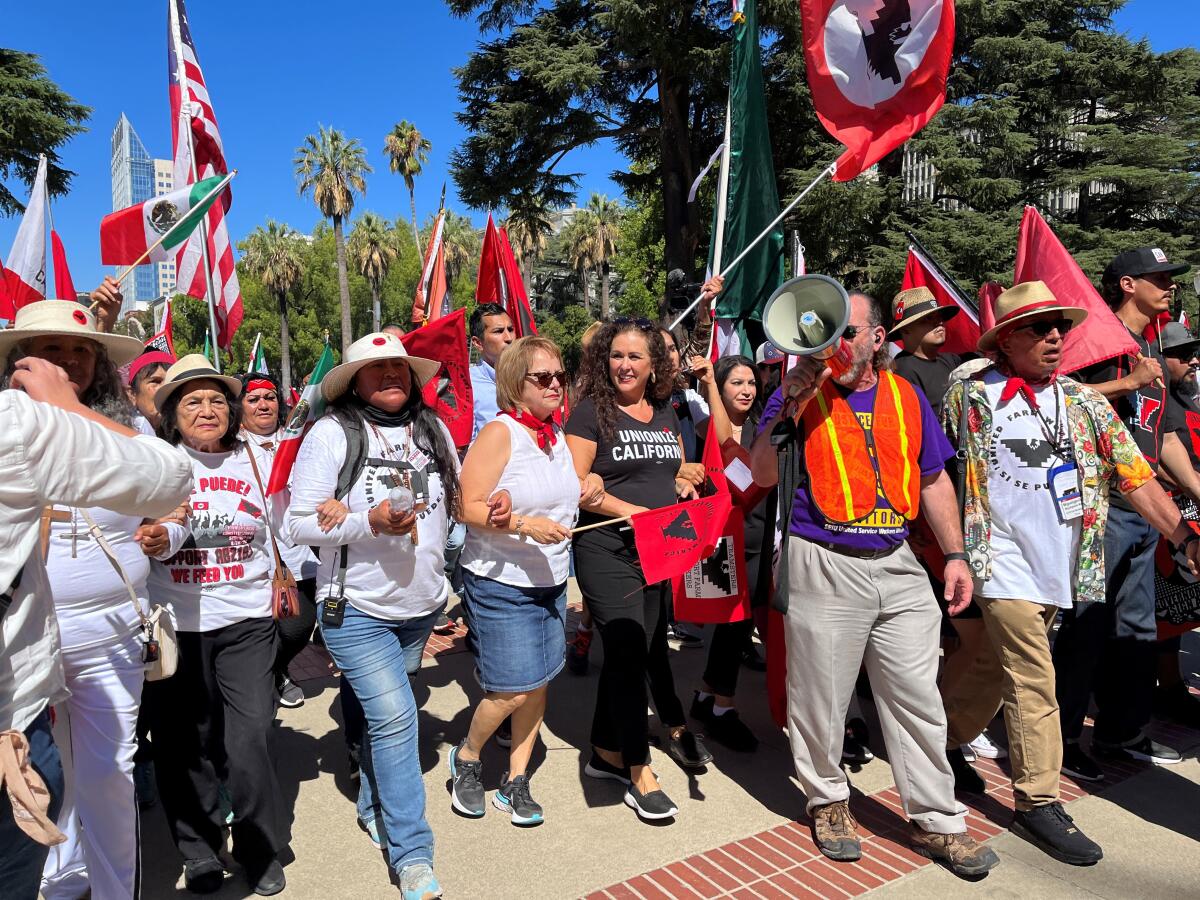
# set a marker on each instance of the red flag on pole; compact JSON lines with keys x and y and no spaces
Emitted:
{"x":500,"y":281}
{"x":1042,"y":257}
{"x":672,"y":539}
{"x":64,"y":288}
{"x":432,"y":300}
{"x":715,"y":588}
{"x":962,"y":331}
{"x":450,"y":392}
{"x":877,"y":72}
{"x":988,"y":292}
{"x":517,"y":301}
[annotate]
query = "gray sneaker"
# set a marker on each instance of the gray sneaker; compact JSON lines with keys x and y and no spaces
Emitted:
{"x":513,"y":798}
{"x":466,"y":793}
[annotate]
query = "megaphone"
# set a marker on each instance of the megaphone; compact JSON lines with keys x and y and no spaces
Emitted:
{"x":806,"y":316}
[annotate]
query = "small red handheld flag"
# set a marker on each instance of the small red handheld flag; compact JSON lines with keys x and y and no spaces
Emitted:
{"x":445,"y":339}
{"x":715,"y":589}
{"x":671,"y":539}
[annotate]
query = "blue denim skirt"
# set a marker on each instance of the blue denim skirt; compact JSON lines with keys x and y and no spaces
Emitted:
{"x":519,"y":632}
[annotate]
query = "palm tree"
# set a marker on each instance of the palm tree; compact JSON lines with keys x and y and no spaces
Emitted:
{"x":332,"y":166}
{"x":604,"y":217}
{"x":273,"y":254}
{"x":373,"y":249}
{"x":528,"y":225}
{"x":407,"y":149}
{"x":462,"y":244}
{"x":579,"y":244}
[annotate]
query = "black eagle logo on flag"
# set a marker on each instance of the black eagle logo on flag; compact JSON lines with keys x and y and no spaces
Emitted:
{"x":681,"y":528}
{"x":1033,"y":453}
{"x":891,"y":25}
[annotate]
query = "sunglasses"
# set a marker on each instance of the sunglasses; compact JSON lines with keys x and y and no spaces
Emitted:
{"x":644,"y":324}
{"x":1186,"y":356}
{"x":1045,"y":326}
{"x":545,"y":379}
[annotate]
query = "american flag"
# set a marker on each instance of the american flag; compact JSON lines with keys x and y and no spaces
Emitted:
{"x":192,"y":113}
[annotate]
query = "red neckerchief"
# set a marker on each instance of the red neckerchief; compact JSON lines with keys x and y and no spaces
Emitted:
{"x":544,"y":431}
{"x":1017,"y":384}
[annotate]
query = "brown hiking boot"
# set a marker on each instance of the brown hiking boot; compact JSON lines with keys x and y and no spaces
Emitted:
{"x":960,"y":853}
{"x":836,"y":832}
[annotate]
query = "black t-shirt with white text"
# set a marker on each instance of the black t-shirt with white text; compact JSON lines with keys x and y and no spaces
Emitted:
{"x":932,"y":376}
{"x":640,"y":461}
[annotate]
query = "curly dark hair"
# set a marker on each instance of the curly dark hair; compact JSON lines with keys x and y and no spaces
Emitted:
{"x":106,"y":394}
{"x":595,"y":382}
{"x":168,"y":426}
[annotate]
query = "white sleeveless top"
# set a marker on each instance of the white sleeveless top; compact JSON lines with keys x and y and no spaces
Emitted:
{"x":540,"y":484}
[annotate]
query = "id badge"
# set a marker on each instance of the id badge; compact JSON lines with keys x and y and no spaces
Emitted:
{"x":1064,"y":488}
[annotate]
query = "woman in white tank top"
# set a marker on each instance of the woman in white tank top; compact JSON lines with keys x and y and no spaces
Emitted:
{"x":515,"y":568}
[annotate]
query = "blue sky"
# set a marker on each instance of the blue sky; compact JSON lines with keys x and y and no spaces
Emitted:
{"x":277,"y":70}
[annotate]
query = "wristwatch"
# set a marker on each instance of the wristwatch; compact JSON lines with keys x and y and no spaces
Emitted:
{"x":959,"y":555}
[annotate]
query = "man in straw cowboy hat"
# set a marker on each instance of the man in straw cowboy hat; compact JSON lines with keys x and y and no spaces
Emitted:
{"x":1110,"y":649}
{"x":1042,"y":455}
{"x":919,"y":323}
{"x":871,"y":454}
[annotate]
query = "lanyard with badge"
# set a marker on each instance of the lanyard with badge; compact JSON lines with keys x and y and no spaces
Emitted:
{"x":1062,"y":479}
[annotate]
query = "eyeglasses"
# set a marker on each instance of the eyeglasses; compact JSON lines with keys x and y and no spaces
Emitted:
{"x":1043,"y":327}
{"x":644,"y":324}
{"x":1186,"y":356}
{"x":545,"y":379}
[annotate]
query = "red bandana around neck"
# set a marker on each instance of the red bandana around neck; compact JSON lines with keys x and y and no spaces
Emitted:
{"x":1017,"y":384}
{"x":544,"y":431}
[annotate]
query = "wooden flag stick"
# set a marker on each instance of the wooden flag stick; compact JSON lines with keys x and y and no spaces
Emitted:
{"x":600,"y":524}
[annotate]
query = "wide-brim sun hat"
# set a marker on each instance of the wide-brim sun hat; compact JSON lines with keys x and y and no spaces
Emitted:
{"x":916,"y":303}
{"x":369,"y":349}
{"x":193,"y":367}
{"x":51,"y":318}
{"x":1025,"y":301}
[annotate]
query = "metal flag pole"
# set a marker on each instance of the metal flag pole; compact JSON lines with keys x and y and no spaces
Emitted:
{"x":824,"y":173}
{"x":946,"y":276}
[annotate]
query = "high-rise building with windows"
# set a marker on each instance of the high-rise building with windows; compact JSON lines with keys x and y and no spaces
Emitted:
{"x":136,"y":177}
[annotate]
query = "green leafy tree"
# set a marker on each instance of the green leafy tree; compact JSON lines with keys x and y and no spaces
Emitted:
{"x":604,"y":218}
{"x":529,"y":225}
{"x":579,"y":247}
{"x":373,"y":249}
{"x":334,"y":167}
{"x":36,"y":116}
{"x":273,"y":255}
{"x":407,"y":150}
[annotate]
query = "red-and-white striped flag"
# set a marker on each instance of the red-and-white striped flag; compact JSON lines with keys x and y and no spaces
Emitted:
{"x":201,"y":157}
{"x":432,"y":300}
{"x":26,"y":275}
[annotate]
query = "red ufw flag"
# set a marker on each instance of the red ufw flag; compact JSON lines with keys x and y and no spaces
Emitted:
{"x":877,"y":72}
{"x":449,"y":393}
{"x":715,"y":588}
{"x":64,"y":288}
{"x":962,"y":332}
{"x":672,"y":539}
{"x":499,"y":279}
{"x":1042,"y":257}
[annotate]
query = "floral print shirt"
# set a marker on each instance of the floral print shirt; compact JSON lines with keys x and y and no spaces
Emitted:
{"x":1104,"y":451}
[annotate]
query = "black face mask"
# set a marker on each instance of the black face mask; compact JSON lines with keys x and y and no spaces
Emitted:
{"x":373,"y":414}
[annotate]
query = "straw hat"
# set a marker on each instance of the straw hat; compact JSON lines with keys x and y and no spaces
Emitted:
{"x":68,"y":318}
{"x":1024,"y":301}
{"x":192,"y":367}
{"x":917,"y":303}
{"x":372,"y":348}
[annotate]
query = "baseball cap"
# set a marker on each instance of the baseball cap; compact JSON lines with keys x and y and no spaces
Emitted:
{"x":767,"y":354}
{"x":1142,"y":261}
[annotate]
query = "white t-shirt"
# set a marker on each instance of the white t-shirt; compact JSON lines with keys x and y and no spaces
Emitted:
{"x":1033,"y":553}
{"x":300,"y":559}
{"x":90,"y":599}
{"x":386,"y":576}
{"x":142,"y":424}
{"x":217,"y":570}
{"x":540,"y":484}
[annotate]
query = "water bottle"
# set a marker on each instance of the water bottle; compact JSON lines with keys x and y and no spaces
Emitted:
{"x":400,"y":501}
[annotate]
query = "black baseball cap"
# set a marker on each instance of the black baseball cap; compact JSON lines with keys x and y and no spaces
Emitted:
{"x":1142,"y":261}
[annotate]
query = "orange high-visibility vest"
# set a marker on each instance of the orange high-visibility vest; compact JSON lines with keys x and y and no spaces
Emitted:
{"x":849,"y":467}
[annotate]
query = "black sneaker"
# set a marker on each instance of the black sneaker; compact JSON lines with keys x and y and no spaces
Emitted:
{"x":504,"y":733}
{"x":689,"y":751}
{"x":444,"y":624}
{"x":598,"y":768}
{"x":514,"y":799}
{"x":966,"y":779}
{"x":854,"y":745}
{"x":203,"y":876}
{"x":1145,"y":750}
{"x":290,"y":694}
{"x":651,"y":806}
{"x":466,"y":792}
{"x":729,"y":730}
{"x":1177,"y":704}
{"x":1055,"y":833}
{"x":268,"y":881}
{"x":702,"y":709}
{"x":1079,"y":765}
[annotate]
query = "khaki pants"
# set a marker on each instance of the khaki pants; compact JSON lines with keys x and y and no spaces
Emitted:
{"x":1014,"y":669}
{"x":844,"y":612}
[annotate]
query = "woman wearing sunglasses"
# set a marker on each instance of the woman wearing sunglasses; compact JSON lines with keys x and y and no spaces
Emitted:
{"x":515,"y":568}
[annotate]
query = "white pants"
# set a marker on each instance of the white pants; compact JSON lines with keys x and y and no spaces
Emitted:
{"x":96,"y":732}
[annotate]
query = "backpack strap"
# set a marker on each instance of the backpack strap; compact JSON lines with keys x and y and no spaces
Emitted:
{"x":356,"y":451}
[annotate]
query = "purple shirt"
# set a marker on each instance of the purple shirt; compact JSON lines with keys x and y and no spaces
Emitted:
{"x":883,"y":528}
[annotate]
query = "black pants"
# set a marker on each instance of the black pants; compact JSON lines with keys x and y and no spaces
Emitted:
{"x":294,"y":633}
{"x":225,"y":676}
{"x":730,"y":640}
{"x":632,"y":619}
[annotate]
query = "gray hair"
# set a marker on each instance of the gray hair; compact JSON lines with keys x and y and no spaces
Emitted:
{"x":106,"y":394}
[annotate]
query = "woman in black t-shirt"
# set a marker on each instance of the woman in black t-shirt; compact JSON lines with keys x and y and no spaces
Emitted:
{"x":624,"y":429}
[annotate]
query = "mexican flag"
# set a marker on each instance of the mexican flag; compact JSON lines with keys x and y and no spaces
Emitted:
{"x":258,"y":359}
{"x":303,"y":415}
{"x":129,"y":234}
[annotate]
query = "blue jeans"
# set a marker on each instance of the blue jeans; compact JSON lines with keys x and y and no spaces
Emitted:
{"x":456,"y":537}
{"x":1109,"y":648}
{"x":21,"y":858}
{"x":377,"y":656}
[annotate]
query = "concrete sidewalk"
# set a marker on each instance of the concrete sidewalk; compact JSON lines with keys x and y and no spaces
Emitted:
{"x":736,"y":834}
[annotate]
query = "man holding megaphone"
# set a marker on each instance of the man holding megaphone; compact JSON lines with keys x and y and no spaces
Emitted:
{"x":857,"y":451}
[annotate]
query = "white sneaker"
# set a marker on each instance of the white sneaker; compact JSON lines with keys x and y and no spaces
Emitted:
{"x":983,"y":747}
